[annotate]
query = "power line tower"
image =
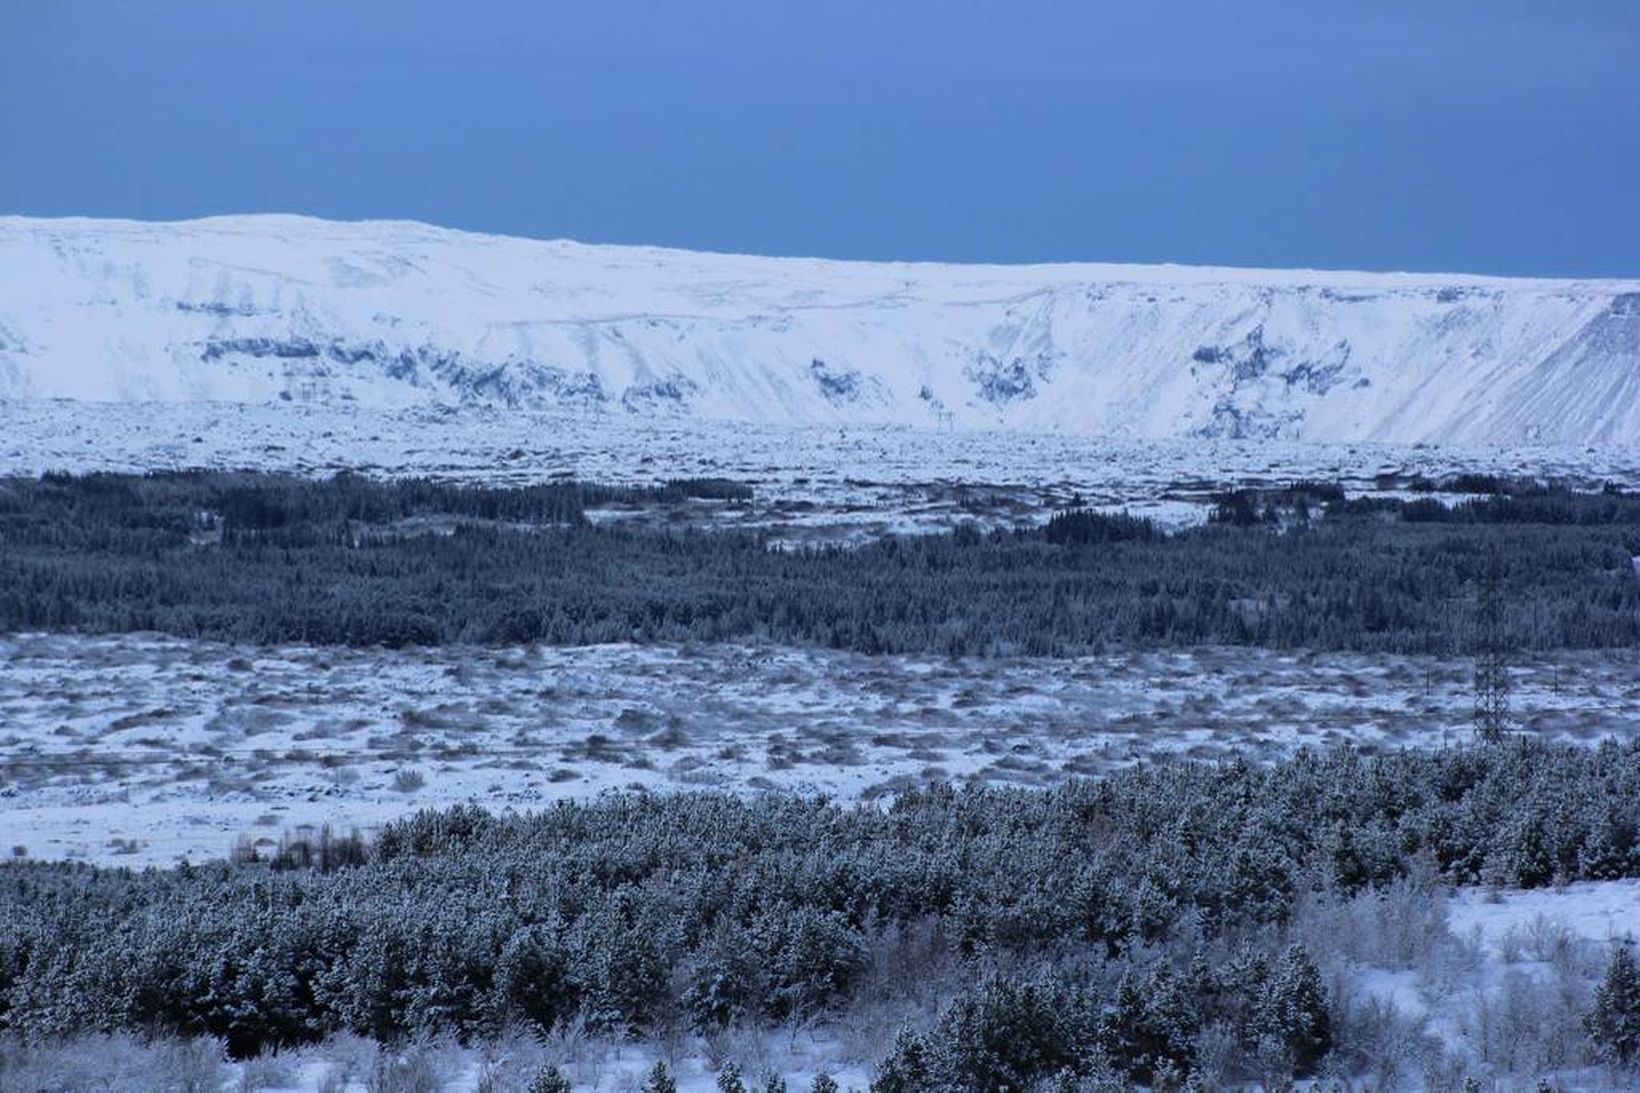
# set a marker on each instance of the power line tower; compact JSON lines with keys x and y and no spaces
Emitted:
{"x":1491,"y":657}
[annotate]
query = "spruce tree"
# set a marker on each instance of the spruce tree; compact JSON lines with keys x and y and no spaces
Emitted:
{"x":660,"y":1080}
{"x":1614,"y":1021}
{"x":906,"y":1068}
{"x":1295,"y":1011}
{"x":729,"y":1079}
{"x":549,"y":1079}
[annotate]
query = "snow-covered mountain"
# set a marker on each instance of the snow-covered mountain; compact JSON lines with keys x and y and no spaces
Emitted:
{"x":385,"y":314}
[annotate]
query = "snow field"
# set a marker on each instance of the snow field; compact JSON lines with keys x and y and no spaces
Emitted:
{"x":136,"y":749}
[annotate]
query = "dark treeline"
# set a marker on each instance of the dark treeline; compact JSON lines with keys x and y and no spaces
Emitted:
{"x":1510,"y":503}
{"x":187,"y":502}
{"x":354,"y":561}
{"x":639,"y":914}
{"x":287,"y":559}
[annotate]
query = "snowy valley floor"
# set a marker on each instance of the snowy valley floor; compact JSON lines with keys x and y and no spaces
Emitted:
{"x":145,"y":750}
{"x":139,"y":749}
{"x":832,"y":482}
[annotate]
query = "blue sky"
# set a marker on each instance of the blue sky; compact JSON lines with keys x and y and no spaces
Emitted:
{"x":1490,"y":136}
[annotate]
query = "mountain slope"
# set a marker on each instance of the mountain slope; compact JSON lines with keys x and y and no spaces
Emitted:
{"x":259,"y":308}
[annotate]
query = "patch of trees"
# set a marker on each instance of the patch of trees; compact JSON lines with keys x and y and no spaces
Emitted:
{"x":191,"y":502}
{"x":1006,"y":1034}
{"x":642,"y":913}
{"x":1251,"y":506}
{"x":708,"y":489}
{"x":1081,"y":526}
{"x":1506,"y":503}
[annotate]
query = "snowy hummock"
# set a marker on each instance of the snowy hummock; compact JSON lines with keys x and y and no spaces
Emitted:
{"x":142,"y":749}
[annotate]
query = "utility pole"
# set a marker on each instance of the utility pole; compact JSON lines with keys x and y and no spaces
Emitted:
{"x":1491,"y":648}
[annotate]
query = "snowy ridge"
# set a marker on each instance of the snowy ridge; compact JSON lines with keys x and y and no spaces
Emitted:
{"x":394,"y":314}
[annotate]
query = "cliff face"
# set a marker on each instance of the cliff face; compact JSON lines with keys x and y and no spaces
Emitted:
{"x":269,"y":308}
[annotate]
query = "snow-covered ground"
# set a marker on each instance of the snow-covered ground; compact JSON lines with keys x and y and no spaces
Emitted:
{"x":268,"y":308}
{"x":353,"y":1065}
{"x":593,"y":1065}
{"x":136,"y":748}
{"x":809,"y":481}
{"x":1505,"y":921}
{"x":1499,"y":979}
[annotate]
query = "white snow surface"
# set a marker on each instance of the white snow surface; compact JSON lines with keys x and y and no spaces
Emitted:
{"x":391,"y":315}
{"x":811,"y":483}
{"x":1603,"y":911}
{"x":140,"y":749}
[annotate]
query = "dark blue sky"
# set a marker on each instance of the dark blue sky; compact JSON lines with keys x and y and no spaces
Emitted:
{"x":1477,"y":135}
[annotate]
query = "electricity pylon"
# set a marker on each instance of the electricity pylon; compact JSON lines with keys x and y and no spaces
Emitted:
{"x":1491,"y":661}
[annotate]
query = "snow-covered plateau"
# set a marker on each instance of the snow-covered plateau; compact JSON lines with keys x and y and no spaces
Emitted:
{"x":259,"y":309}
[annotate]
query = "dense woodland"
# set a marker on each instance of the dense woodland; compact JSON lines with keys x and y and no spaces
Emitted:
{"x":352,"y":561}
{"x":1113,"y":925}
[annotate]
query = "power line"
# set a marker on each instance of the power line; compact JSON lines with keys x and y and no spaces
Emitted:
{"x":1491,"y":714}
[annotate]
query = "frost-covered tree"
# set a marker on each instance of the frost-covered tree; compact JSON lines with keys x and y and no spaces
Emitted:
{"x":659,"y":1080}
{"x":549,"y":1079}
{"x":531,"y":979}
{"x":905,"y":1070}
{"x":1613,"y":1021}
{"x":1295,"y":1011}
{"x":729,"y":1079}
{"x":1151,"y":1028}
{"x":726,"y":980}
